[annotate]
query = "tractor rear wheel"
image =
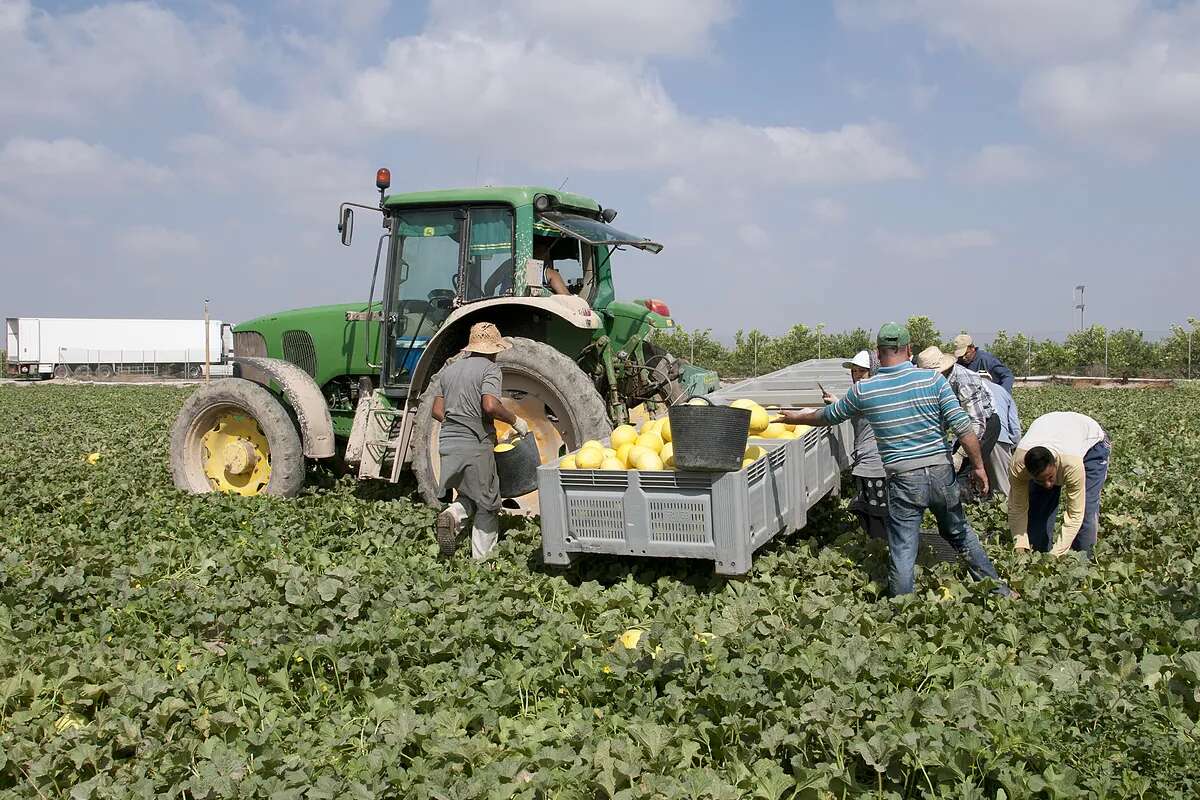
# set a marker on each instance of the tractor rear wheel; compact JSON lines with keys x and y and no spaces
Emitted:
{"x":543,"y":387}
{"x":233,"y":436}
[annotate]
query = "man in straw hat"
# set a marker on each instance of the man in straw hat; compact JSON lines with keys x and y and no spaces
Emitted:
{"x":978,"y":360}
{"x":467,"y":402}
{"x":976,"y":400}
{"x":908,"y":409}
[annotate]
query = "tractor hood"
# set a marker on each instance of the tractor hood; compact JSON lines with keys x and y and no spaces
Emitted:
{"x":593,"y":231}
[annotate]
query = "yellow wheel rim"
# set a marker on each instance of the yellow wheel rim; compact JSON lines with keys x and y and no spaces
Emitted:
{"x":235,"y":455}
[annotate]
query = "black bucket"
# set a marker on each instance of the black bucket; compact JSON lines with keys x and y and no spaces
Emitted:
{"x":709,"y":438}
{"x":517,"y":468}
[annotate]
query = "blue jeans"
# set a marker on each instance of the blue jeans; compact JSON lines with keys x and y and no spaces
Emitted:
{"x":936,"y":489}
{"x":1043,"y":504}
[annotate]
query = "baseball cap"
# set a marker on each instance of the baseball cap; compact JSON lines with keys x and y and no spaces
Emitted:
{"x":862,"y":360}
{"x":961,"y":343}
{"x":893,"y":335}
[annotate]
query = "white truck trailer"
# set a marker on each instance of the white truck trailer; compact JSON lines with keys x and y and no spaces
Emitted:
{"x":44,"y":347}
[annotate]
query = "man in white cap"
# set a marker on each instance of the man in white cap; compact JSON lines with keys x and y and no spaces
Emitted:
{"x":467,"y":402}
{"x":978,"y":360}
{"x":870,"y":505}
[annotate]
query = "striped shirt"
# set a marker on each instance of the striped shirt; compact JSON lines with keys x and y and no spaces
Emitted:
{"x":909,"y":409}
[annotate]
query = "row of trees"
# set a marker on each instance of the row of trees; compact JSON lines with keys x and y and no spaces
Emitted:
{"x":1121,"y":353}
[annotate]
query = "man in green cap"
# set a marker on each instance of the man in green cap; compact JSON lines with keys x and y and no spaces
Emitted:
{"x":908,"y":409}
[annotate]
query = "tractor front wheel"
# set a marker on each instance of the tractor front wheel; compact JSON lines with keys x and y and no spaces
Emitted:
{"x":540,"y":385}
{"x":233,"y":436}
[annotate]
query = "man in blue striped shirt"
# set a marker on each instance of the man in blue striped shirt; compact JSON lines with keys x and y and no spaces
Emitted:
{"x":909,"y":409}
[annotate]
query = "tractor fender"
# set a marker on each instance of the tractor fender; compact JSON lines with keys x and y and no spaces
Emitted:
{"x":306,"y":400}
{"x":571,"y":309}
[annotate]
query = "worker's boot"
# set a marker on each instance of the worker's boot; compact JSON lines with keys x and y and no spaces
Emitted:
{"x":449,"y":524}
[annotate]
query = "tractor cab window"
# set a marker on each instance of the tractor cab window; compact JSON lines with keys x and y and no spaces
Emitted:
{"x":567,"y":263}
{"x":425,"y":257}
{"x":489,"y":269}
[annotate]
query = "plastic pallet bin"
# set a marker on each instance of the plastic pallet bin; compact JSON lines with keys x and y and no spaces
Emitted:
{"x":718,"y":517}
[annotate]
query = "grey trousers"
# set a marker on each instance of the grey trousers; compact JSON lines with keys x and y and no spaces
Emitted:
{"x":997,"y":468}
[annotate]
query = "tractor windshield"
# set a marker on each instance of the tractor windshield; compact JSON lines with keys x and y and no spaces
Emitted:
{"x":594,"y":232}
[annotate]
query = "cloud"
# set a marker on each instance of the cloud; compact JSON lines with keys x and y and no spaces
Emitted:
{"x":753,"y":236}
{"x":1002,"y":163}
{"x":76,"y":64}
{"x":1005,"y":29}
{"x":598,"y":115}
{"x":152,"y":242}
{"x":51,"y":167}
{"x":1121,"y":76}
{"x":619,"y":27}
{"x":936,"y":247}
{"x":829,"y":211}
{"x":1130,"y":105}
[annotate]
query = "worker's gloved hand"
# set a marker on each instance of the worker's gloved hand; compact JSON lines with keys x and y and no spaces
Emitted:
{"x":521,"y":426}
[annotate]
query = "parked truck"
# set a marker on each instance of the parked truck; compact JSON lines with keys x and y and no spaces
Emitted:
{"x":102,"y":349}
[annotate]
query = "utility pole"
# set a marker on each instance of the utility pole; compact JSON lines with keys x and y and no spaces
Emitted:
{"x":1079,"y":304}
{"x":820,"y":328}
{"x":207,"y":354}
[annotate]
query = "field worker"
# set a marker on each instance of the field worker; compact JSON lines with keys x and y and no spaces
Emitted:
{"x":908,"y":409}
{"x":870,"y":505}
{"x":1006,"y":442}
{"x":1062,"y":454}
{"x":978,"y":360}
{"x":974,"y":398}
{"x":467,"y":403}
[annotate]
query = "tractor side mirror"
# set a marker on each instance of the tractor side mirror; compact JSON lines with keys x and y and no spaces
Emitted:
{"x":535,"y":273}
{"x":346,"y":226}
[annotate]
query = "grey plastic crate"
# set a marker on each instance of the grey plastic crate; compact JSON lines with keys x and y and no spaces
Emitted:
{"x":720,"y":517}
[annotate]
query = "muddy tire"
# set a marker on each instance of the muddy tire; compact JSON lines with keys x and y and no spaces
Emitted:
{"x":541,"y":385}
{"x":61,"y":371}
{"x":249,"y":413}
{"x":104,"y":372}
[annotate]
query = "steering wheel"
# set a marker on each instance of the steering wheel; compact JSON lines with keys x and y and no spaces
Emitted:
{"x":442,"y":299}
{"x":414,"y":306}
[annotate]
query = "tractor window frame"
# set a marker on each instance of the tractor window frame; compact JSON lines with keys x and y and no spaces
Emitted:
{"x":463,"y":299}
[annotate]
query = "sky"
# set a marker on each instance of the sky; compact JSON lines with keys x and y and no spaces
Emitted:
{"x":844,"y":162}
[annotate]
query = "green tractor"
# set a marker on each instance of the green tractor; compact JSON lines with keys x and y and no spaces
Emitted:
{"x":352,"y":382}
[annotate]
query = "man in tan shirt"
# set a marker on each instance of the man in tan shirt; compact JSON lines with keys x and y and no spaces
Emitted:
{"x":1063,"y":455}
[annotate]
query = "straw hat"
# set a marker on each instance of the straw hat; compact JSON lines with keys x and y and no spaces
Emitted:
{"x":961,"y":343}
{"x":933,"y":358}
{"x":485,"y":338}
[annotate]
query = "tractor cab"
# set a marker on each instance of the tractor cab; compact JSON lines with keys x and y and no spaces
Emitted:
{"x":535,"y":261}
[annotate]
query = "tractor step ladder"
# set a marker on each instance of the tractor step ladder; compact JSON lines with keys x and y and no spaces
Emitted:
{"x":375,"y":437}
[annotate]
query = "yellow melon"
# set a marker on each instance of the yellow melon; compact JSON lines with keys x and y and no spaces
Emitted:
{"x":697,"y":401}
{"x":568,"y":463}
{"x":610,"y":453}
{"x":667,"y":454}
{"x":623,"y":452}
{"x":636,"y":452}
{"x":773,"y":431}
{"x":648,"y":462}
{"x":504,"y":447}
{"x":624,"y":434}
{"x":590,"y":458}
{"x":651,"y":440}
{"x":664,"y":430}
{"x":754,"y":452}
{"x":613,"y":463}
{"x":591,"y":443}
